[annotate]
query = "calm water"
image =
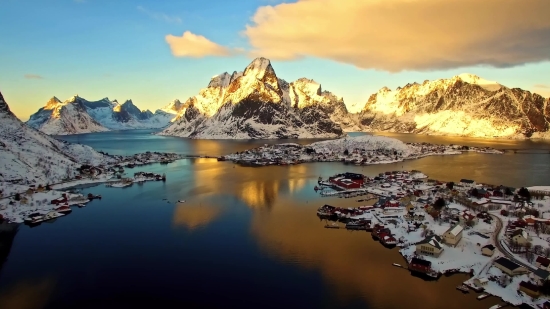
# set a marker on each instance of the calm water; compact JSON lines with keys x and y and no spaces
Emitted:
{"x":246,"y":237}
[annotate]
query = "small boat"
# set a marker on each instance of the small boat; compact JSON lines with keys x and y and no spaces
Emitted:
{"x":334,"y":225}
{"x":483,"y":296}
{"x":81,"y":205}
{"x":497,"y":306}
{"x":64,"y":209}
{"x":181,"y":201}
{"x":316,"y":188}
{"x":463,"y":288}
{"x":397,"y":265}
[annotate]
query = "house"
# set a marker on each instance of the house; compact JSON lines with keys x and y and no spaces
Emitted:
{"x":466,"y":217}
{"x":468,"y":183}
{"x":420,"y":265}
{"x":520,"y":236}
{"x":480,"y":282}
{"x":529,"y":289}
{"x":453,"y":235}
{"x":483,"y":193}
{"x":508,"y":267}
{"x":488,"y":250}
{"x":540,"y":275}
{"x":543,"y":263}
{"x":430,"y":245}
{"x":30,"y":191}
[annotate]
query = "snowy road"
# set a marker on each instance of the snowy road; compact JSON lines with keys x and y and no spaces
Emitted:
{"x":503,"y":250}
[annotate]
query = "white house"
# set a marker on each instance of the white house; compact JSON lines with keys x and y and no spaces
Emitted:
{"x":468,"y":183}
{"x":453,"y":235}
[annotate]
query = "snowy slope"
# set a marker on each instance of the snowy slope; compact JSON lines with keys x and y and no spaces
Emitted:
{"x":255,"y":103}
{"x":27,"y":154}
{"x":62,"y":118}
{"x":465,"y":105}
{"x":78,"y":115}
{"x":367,"y":142}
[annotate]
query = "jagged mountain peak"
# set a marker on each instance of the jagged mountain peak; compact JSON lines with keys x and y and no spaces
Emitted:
{"x":52,"y":103}
{"x":220,"y":80}
{"x":476,"y":80}
{"x":258,"y":68}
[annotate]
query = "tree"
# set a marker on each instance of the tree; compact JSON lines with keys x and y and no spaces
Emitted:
{"x":450,"y":185}
{"x":346,"y":152}
{"x":523,"y":192}
{"x":17,"y":197}
{"x":507,"y":191}
{"x":439,"y":203}
{"x":474,"y":192}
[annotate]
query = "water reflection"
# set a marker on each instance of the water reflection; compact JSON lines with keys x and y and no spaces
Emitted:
{"x":28,"y":294}
{"x":193,"y":215}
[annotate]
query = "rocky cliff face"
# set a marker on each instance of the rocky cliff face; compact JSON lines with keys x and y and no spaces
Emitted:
{"x":465,"y":105}
{"x":254,"y":103}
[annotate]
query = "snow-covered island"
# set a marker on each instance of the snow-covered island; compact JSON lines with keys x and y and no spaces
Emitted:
{"x":499,"y":235}
{"x":359,"y":150}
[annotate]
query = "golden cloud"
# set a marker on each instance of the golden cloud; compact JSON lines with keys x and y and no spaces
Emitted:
{"x":396,"y":35}
{"x":195,"y":46}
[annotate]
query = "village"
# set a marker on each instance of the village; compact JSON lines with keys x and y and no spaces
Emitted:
{"x":497,"y":234}
{"x":359,"y":150}
{"x":32,"y":203}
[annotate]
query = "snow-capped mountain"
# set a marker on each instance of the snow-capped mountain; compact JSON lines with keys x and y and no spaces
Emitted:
{"x":256,"y":103}
{"x":28,"y":154}
{"x":62,"y":118}
{"x":78,"y":115}
{"x":464,"y":105}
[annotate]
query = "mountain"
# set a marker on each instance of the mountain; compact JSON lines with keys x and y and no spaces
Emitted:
{"x":464,"y":105}
{"x":78,"y":115}
{"x":257,"y":104}
{"x":28,"y":154}
{"x":173,"y":107}
{"x":62,"y":118}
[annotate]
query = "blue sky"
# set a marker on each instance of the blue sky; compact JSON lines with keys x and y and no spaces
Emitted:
{"x":117,"y":49}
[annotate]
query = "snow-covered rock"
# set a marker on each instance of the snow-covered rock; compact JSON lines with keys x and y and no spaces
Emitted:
{"x":78,"y":115}
{"x":30,"y":155}
{"x":465,"y":105}
{"x":256,"y":103}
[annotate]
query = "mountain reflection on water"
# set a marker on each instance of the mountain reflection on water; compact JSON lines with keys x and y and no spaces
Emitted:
{"x":246,"y":237}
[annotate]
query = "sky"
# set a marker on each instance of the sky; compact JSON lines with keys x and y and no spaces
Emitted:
{"x":156,"y":51}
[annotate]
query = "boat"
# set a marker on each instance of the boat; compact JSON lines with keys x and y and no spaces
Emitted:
{"x":397,"y":265}
{"x":483,"y":296}
{"x":316,"y":188}
{"x":181,"y":201}
{"x":64,"y":209}
{"x":497,"y":306}
{"x":463,"y":288}
{"x":356,"y":225}
{"x":34,"y":218}
{"x":52,"y":215}
{"x":333,"y":225}
{"x":81,"y":205}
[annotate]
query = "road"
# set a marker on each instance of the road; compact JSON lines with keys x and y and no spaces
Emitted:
{"x":504,"y":250}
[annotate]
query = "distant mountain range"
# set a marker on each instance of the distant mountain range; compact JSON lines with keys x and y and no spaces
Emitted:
{"x":255,"y":104}
{"x":78,"y":115}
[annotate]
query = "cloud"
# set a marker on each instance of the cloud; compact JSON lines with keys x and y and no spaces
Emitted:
{"x":542,"y":86}
{"x":196,"y":46}
{"x":33,"y":76}
{"x":396,"y":35}
{"x":160,"y":16}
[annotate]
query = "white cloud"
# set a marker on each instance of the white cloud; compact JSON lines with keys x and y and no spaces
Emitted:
{"x":160,"y":16}
{"x":396,"y":35}
{"x":196,"y":46}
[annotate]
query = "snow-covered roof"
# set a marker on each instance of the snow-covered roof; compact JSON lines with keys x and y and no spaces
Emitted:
{"x":457,"y":229}
{"x":433,"y":240}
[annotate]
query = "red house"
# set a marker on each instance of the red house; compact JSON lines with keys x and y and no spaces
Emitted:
{"x":417,"y":264}
{"x":391,"y":203}
{"x":348,"y":180}
{"x":59,"y":200}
